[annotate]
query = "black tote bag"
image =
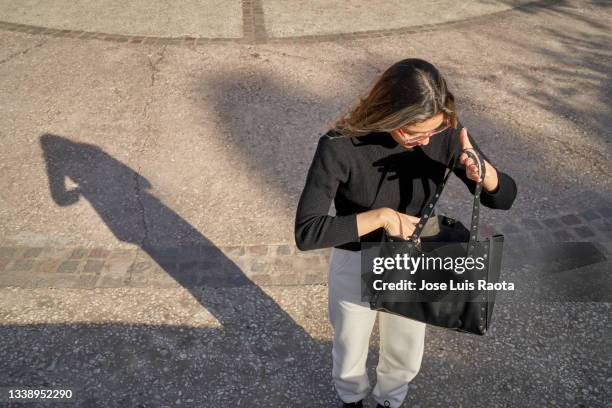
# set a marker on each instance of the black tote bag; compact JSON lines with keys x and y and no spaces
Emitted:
{"x":462,"y":311}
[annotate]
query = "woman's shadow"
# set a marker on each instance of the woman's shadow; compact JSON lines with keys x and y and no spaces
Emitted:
{"x":259,"y":341}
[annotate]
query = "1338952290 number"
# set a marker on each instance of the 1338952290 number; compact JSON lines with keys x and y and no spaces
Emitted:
{"x":38,"y":393}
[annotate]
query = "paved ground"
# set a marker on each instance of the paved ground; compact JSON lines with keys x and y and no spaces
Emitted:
{"x":233,"y":20}
{"x":149,"y":188}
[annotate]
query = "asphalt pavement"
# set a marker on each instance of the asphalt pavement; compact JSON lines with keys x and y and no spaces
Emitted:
{"x":153,"y":153}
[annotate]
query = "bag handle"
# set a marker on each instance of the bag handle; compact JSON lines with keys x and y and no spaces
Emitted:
{"x":476,"y":205}
{"x":429,"y":207}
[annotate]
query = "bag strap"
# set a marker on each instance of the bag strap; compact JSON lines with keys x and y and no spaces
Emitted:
{"x":431,"y":203}
{"x":476,"y":206}
{"x":429,"y":207}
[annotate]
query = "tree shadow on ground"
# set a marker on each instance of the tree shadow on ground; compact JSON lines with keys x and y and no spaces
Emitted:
{"x":559,"y":91}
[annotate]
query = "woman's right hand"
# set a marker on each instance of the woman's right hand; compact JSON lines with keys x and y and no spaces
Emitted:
{"x":397,"y":224}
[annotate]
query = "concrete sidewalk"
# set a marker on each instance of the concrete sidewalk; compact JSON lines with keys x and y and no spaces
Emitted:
{"x":118,"y":155}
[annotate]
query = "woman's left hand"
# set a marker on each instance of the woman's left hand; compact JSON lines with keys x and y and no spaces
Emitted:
{"x":491,"y":181}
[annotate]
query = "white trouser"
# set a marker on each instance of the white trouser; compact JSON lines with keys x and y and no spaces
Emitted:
{"x":401,"y":339}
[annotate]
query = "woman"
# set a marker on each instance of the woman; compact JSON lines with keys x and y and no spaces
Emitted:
{"x":380,"y":163}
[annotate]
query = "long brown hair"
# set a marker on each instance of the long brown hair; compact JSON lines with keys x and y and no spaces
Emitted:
{"x":410,"y":91}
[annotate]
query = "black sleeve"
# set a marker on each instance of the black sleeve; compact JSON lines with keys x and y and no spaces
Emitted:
{"x":314,"y":227}
{"x":502,"y":197}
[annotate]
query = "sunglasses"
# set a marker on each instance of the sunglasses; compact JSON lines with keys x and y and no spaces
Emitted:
{"x":423,"y":135}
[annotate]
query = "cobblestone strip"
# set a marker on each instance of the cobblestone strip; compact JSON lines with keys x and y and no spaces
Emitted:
{"x":590,"y":225}
{"x":281,"y":264}
{"x":255,"y":31}
{"x":132,"y":39}
{"x":253,"y":25}
{"x":578,"y":217}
